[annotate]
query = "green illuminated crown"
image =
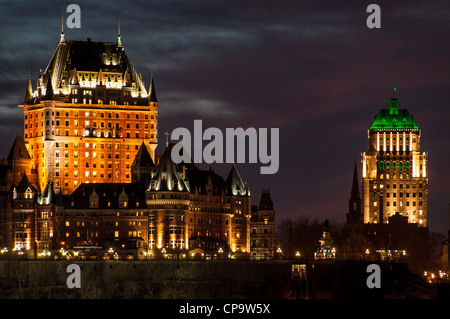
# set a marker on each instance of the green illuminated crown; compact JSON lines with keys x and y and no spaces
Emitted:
{"x":393,"y":118}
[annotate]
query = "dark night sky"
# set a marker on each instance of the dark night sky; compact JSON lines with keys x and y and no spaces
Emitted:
{"x":311,"y":68}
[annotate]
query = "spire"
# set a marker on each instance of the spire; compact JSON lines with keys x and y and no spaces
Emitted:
{"x":119,"y":41}
{"x":393,"y":110}
{"x":62,"y":30}
{"x":354,"y":215}
{"x":167,"y":139}
{"x":355,"y":186}
{"x":49,"y":89}
{"x":29,"y":93}
{"x":152,"y":92}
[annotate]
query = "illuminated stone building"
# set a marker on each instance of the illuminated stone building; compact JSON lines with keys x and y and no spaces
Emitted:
{"x":394,"y":170}
{"x":190,"y":208}
{"x":87,"y":116}
{"x":262,"y":224}
{"x":85,"y":174}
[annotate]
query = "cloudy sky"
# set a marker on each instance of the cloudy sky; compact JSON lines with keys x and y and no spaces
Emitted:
{"x":310,"y":68}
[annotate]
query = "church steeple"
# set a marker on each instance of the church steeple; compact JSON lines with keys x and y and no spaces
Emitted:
{"x":355,"y":185}
{"x":354,"y":215}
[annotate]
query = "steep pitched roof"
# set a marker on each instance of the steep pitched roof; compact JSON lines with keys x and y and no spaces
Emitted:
{"x":168,"y":175}
{"x":199,"y":179}
{"x":152,"y":92}
{"x":29,"y":92}
{"x":88,"y":58}
{"x":266,"y":201}
{"x":143,"y":157}
{"x":24,"y":184}
{"x":107,"y":193}
{"x":49,"y":90}
{"x":48,"y":196}
{"x":235,"y":183}
{"x":18,"y":150}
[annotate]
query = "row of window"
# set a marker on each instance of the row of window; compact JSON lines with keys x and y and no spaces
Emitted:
{"x":86,"y":155}
{"x":173,"y":231}
{"x":108,"y":223}
{"x":88,"y":145}
{"x":87,"y":114}
{"x":388,"y":203}
{"x":394,"y":165}
{"x":401,"y":195}
{"x":87,"y":123}
{"x":400,"y":186}
{"x":87,"y":165}
{"x":88,"y":133}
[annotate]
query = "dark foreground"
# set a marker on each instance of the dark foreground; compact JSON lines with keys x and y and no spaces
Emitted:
{"x":166,"y":279}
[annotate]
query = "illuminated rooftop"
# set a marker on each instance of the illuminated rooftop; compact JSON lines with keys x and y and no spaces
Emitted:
{"x":393,"y":118}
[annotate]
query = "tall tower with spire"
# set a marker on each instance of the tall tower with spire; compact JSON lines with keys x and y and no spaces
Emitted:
{"x":394,"y":169}
{"x":88,"y":116}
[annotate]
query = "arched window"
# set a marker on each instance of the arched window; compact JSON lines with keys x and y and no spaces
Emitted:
{"x":381,"y":165}
{"x":394,"y":165}
{"x":407,"y":165}
{"x":400,"y":165}
{"x":388,"y":165}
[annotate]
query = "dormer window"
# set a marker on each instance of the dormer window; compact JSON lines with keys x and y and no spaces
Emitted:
{"x":28,"y":193}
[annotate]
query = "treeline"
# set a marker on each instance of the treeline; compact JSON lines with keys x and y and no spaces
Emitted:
{"x":424,"y":249}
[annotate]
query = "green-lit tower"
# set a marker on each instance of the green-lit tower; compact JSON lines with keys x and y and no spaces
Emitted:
{"x":394,"y":171}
